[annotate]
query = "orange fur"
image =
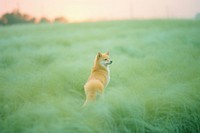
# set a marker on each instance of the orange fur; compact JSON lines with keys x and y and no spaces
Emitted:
{"x":99,"y":77}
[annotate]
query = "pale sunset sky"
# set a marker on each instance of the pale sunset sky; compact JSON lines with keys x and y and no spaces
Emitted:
{"x":80,"y":10}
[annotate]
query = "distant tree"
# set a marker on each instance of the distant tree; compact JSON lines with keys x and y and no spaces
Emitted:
{"x":44,"y":20}
{"x":60,"y":20}
{"x":16,"y":17}
{"x":197,"y":16}
{"x":1,"y":22}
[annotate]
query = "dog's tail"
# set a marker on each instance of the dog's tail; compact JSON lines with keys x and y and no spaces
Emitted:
{"x":90,"y":96}
{"x":85,"y":103}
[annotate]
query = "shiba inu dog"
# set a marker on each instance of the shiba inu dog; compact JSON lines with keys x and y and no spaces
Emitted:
{"x":99,"y":77}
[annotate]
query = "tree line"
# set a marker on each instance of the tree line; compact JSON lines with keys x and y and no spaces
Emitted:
{"x":16,"y":17}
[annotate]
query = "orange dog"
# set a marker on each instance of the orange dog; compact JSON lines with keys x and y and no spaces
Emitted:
{"x":99,"y":77}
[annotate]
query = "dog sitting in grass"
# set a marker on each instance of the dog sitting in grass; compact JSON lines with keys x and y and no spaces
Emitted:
{"x":99,"y":77}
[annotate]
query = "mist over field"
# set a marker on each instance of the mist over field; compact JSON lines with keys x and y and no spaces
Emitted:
{"x":154,"y":86}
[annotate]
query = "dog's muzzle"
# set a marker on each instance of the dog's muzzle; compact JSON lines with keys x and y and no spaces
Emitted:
{"x":110,"y":62}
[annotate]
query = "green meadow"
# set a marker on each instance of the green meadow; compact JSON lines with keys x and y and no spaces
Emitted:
{"x":154,"y":86}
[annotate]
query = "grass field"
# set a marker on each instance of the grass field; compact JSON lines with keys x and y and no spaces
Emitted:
{"x":154,"y":87}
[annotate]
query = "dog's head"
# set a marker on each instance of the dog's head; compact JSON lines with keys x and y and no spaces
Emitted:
{"x":103,"y":59}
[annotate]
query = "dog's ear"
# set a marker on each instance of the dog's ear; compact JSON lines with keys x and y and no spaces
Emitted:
{"x":107,"y":53}
{"x":99,"y":55}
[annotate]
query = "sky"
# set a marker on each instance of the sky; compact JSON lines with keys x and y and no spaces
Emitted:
{"x":80,"y":10}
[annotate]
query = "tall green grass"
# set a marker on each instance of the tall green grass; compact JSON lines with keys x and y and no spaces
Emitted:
{"x":154,"y":87}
